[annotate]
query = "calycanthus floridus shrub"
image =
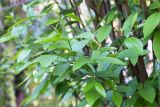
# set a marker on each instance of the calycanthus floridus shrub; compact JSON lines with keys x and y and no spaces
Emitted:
{"x":63,"y":50}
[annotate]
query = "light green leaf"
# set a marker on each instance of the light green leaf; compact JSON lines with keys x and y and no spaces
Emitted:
{"x":54,"y":37}
{"x":52,"y":21}
{"x":46,"y":60}
{"x":117,"y":99}
{"x":73,"y":16}
{"x":147,"y":92}
{"x":78,"y":45}
{"x":111,"y":15}
{"x":89,"y":89}
{"x":6,"y":38}
{"x":156,"y":45}
{"x":19,"y":68}
{"x":86,"y":35}
{"x":23,"y":54}
{"x":131,"y":53}
{"x":80,"y":62}
{"x":109,"y":60}
{"x":154,"y":5}
{"x":103,"y":32}
{"x":100,"y":89}
{"x":92,"y":96}
{"x":150,"y":24}
{"x":134,"y":42}
{"x":88,"y":86}
{"x":128,"y":24}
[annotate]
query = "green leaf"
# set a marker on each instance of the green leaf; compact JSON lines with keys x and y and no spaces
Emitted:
{"x":40,"y":88}
{"x":88,"y":86}
{"x":89,"y":89}
{"x":60,"y":69}
{"x":117,"y":99}
{"x":78,"y":45}
{"x":46,"y":60}
{"x":73,"y":16}
{"x":52,"y":21}
{"x":147,"y":92}
{"x":6,"y":38}
{"x":54,"y":37}
{"x":82,"y":103}
{"x":47,"y":8}
{"x":111,"y":15}
{"x":80,"y":62}
{"x":128,"y":24}
{"x":92,"y":96}
{"x":134,"y":42}
{"x":130,"y":53}
{"x":154,"y":5}
{"x":109,"y":60}
{"x":150,"y":24}
{"x":100,"y":89}
{"x":154,"y":104}
{"x":103,"y":32}
{"x":156,"y":45}
{"x":20,"y":68}
{"x":85,"y":35}
{"x":111,"y":84}
{"x":23,"y":54}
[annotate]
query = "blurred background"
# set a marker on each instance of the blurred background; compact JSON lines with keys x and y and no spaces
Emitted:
{"x":12,"y":89}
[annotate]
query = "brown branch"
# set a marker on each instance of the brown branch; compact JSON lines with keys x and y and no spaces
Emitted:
{"x":144,"y":6}
{"x":126,"y":7}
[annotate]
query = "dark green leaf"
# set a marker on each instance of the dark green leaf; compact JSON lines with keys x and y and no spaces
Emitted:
{"x":156,"y":45}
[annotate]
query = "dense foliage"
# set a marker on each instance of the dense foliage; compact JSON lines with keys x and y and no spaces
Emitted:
{"x":110,"y":58}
